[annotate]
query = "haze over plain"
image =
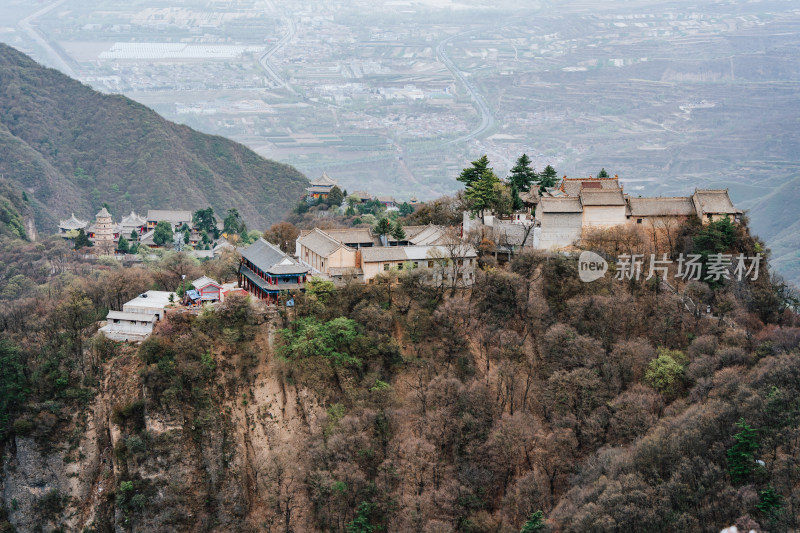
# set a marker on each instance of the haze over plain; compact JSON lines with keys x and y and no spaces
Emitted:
{"x":397,"y":96}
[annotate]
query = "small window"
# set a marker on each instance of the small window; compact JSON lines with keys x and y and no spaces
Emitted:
{"x":430,"y":264}
{"x":386,"y":266}
{"x":709,"y":216}
{"x":416,"y":264}
{"x":638,"y":220}
{"x":399,"y":266}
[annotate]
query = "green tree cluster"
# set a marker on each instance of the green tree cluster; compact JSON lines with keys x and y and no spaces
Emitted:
{"x":481,"y":183}
{"x":13,"y":384}
{"x":162,"y":234}
{"x":331,"y":340}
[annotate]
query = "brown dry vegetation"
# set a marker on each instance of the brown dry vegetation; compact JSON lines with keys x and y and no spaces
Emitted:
{"x":394,"y":406}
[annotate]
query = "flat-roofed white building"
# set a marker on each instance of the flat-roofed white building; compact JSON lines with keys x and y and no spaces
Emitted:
{"x":136,"y":320}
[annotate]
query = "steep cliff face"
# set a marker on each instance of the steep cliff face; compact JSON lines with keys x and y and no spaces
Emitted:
{"x":130,"y":462}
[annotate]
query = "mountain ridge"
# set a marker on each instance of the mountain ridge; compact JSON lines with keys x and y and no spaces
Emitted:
{"x":72,"y":149}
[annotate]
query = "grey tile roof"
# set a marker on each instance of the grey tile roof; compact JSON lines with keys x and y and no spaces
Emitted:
{"x":319,"y":242}
{"x":713,"y":201}
{"x":573,"y":186}
{"x":532,"y":196}
{"x":172,"y":216}
{"x":72,"y":223}
{"x":560,"y":205}
{"x":271,"y":259}
{"x":655,"y":207}
{"x":324,"y":181}
{"x":602,"y":197}
{"x":384,"y":253}
{"x":201,"y":282}
{"x":349,"y":235}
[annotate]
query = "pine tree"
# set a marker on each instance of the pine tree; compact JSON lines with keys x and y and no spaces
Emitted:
{"x":476,"y":172}
{"x":383,"y":227}
{"x":740,"y":455}
{"x":480,"y":181}
{"x":547,"y":178}
{"x":82,"y":241}
{"x":204,"y":219}
{"x":602,"y":173}
{"x":163,"y":233}
{"x":335,"y":197}
{"x":522,"y":175}
{"x":534,"y":524}
{"x":122,"y":245}
{"x":515,"y":199}
{"x":398,"y":232}
{"x":233,"y":222}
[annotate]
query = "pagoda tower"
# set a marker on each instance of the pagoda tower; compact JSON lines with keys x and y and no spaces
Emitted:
{"x":104,"y":232}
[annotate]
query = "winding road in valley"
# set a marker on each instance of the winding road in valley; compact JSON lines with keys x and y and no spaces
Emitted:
{"x":487,"y":120}
{"x":264,"y":59}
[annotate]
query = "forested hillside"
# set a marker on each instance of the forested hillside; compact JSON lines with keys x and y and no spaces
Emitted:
{"x":531,"y":402}
{"x":15,"y":211}
{"x":71,"y":149}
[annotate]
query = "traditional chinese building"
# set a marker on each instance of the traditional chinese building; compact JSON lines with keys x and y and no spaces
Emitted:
{"x":565,"y":212}
{"x":104,"y":236}
{"x":320,"y":252}
{"x":132,"y":223}
{"x":266,"y":272}
{"x":71,"y":224}
{"x":321,"y":187}
{"x":208,"y":290}
{"x":175,"y":217}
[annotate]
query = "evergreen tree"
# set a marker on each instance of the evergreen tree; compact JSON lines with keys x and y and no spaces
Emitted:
{"x":740,"y":455}
{"x":232,"y":225}
{"x":602,"y":173}
{"x":515,"y":199}
{"x":335,"y":197}
{"x":383,"y":227}
{"x":122,"y":245}
{"x":480,"y":181}
{"x":187,"y":236}
{"x":163,"y":233}
{"x":82,"y":241}
{"x":406,"y":209}
{"x":547,"y":178}
{"x":471,"y":175}
{"x":522,"y":175}
{"x":204,"y":219}
{"x":534,"y":524}
{"x":13,"y":384}
{"x":398,"y":232}
{"x":134,"y":236}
